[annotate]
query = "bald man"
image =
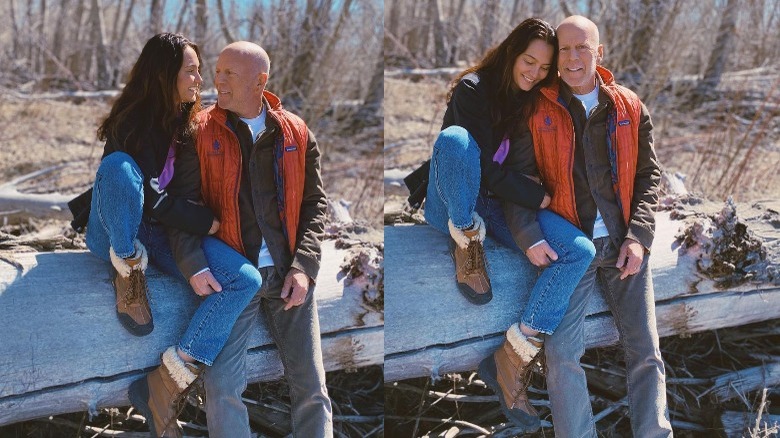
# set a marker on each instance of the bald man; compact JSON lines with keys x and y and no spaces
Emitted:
{"x":259,"y":168}
{"x":594,"y":148}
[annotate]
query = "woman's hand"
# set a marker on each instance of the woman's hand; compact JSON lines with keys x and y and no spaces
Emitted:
{"x":545,"y":202}
{"x":215,"y":227}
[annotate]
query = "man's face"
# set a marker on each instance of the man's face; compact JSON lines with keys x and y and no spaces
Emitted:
{"x":578,"y":54}
{"x":239,"y":84}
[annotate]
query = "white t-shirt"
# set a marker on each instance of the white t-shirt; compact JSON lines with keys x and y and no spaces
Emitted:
{"x":589,"y":101}
{"x":256,"y":128}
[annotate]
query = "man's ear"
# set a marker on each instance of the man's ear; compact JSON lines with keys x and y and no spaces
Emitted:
{"x":599,"y":54}
{"x":262,"y":80}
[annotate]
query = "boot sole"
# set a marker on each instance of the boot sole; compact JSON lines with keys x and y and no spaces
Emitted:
{"x":467,"y":292}
{"x":139,"y":394}
{"x":487,"y":371}
{"x":133,"y":327}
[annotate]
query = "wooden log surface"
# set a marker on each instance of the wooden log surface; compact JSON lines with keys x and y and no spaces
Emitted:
{"x":431,"y":329}
{"x":63,"y":349}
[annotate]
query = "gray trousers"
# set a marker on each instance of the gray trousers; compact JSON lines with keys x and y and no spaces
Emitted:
{"x":297,"y":335}
{"x":632,"y":304}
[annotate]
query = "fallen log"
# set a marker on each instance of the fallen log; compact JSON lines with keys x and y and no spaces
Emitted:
{"x":740,"y":424}
{"x":738,"y":383}
{"x":65,"y":351}
{"x":431,"y":329}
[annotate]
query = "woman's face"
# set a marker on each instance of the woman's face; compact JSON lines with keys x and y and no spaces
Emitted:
{"x":533,"y":65}
{"x":188,"y":81}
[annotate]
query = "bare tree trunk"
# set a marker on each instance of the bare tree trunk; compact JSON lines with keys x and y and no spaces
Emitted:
{"x":439,"y":41}
{"x":15,"y":30}
{"x":538,"y":9}
{"x":155,"y":17}
{"x":369,"y":112}
{"x":315,"y":23}
{"x":565,"y":8}
{"x":76,"y":59}
{"x":648,"y":20}
{"x":722,"y":48}
{"x":223,"y":23}
{"x":488,"y":24}
{"x":115,"y":24}
{"x":201,"y":21}
{"x":515,"y":11}
{"x":99,"y":42}
{"x":56,"y":46}
{"x":43,"y":66}
{"x":182,"y":14}
{"x":336,"y":35}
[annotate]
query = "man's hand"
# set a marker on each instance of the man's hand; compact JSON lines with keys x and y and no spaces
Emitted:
{"x":204,"y":284}
{"x":630,"y":258}
{"x":296,"y":286}
{"x":541,"y":255}
{"x":214,"y":227}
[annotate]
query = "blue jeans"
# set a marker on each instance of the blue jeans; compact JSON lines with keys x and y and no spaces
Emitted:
{"x":632,"y":304}
{"x":453,"y":193}
{"x":116,"y":219}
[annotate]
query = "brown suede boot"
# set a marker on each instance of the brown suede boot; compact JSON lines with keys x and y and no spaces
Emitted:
{"x":470,"y":264}
{"x":132,"y":304}
{"x":161,"y":395}
{"x":508,"y":373}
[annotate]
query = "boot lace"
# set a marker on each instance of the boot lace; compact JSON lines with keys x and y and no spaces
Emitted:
{"x":475,"y":257}
{"x":537,"y":364}
{"x":135,"y":288}
{"x":194,"y":394}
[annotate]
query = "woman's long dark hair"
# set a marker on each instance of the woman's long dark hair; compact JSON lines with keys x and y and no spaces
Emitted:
{"x":148,"y":99}
{"x":496,"y":68}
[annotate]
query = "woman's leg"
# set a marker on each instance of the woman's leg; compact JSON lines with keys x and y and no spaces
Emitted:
{"x":454,"y":180}
{"x":213,"y":321}
{"x":551,"y":293}
{"x":449,"y":207}
{"x":117,"y":208}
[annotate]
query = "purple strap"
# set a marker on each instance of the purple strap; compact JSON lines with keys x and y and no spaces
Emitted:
{"x":502,"y":152}
{"x":167,"y":173}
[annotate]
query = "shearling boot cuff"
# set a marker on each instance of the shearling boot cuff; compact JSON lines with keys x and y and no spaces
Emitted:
{"x":179,"y":371}
{"x":463,"y":237}
{"x":125,"y":266}
{"x":520,"y":343}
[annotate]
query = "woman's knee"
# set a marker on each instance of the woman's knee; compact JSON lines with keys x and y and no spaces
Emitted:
{"x":455,"y":142}
{"x":583,"y":250}
{"x":120,"y":167}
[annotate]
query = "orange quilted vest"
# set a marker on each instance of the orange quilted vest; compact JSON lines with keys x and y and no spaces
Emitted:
{"x":220,"y":167}
{"x":553,"y":135}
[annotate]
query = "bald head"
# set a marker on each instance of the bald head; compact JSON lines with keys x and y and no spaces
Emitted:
{"x":251,"y":53}
{"x":240,"y":77}
{"x":579,"y":52}
{"x":578,"y":22}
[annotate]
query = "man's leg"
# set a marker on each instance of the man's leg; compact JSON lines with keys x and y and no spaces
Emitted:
{"x":566,"y":383}
{"x":632,"y":302}
{"x":297,"y":335}
{"x":225,"y":379}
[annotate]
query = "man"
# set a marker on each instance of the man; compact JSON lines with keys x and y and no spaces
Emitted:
{"x":594,"y":149}
{"x":260,"y":172}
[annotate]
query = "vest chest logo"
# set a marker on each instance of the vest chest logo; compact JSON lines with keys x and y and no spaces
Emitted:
{"x":624,"y":122}
{"x":291,"y":148}
{"x":216,"y":148}
{"x":548,"y":125}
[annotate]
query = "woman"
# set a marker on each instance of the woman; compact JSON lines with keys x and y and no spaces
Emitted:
{"x":149,"y":127}
{"x":477,"y":166}
{"x":138,"y":193}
